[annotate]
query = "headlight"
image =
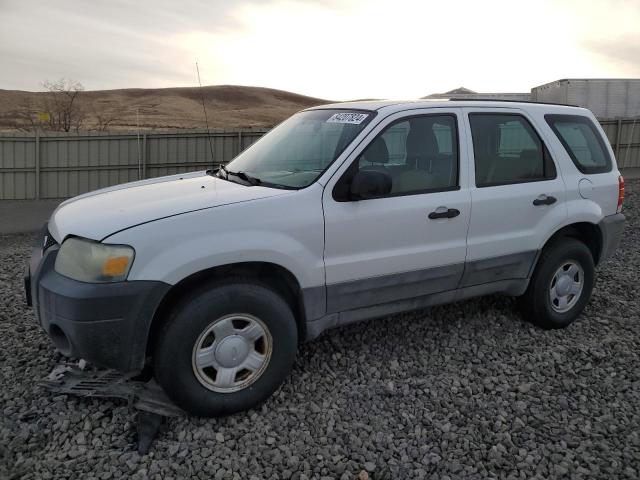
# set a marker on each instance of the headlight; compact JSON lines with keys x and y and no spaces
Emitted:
{"x":94,"y":262}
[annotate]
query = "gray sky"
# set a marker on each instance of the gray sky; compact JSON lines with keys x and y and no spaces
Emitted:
{"x":334,"y":49}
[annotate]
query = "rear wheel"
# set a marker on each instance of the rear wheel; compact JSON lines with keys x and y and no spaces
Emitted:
{"x":225,"y":348}
{"x":561,"y":284}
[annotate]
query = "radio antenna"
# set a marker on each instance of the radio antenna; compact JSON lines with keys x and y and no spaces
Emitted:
{"x":206,"y":118}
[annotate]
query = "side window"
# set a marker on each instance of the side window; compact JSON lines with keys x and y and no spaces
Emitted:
{"x":420,"y":154}
{"x":508,"y":150}
{"x":582,"y":142}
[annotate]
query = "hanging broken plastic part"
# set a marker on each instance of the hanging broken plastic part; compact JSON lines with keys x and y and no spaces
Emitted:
{"x":145,"y":396}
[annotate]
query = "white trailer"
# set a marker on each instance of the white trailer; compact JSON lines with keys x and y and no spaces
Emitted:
{"x":606,"y":98}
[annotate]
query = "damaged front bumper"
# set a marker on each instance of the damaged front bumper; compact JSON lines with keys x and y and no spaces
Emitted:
{"x":107,"y":324}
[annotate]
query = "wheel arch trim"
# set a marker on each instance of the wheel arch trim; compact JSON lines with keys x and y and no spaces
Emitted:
{"x":583,"y":229}
{"x":305,"y":303}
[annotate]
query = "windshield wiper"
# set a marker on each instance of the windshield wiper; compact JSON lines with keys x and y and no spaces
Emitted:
{"x":241,"y":175}
{"x":245,"y":177}
{"x":248,"y":179}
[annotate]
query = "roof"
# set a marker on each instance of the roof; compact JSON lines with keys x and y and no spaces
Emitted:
{"x":391,"y":106}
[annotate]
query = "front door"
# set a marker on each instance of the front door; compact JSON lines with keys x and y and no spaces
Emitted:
{"x":411,"y":242}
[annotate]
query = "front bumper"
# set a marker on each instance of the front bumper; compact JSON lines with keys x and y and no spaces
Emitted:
{"x":106,"y":324}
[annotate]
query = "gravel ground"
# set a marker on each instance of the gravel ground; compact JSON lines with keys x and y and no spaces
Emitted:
{"x":461,"y":391}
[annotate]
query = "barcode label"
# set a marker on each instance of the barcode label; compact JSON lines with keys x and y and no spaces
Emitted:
{"x":348,"y":117}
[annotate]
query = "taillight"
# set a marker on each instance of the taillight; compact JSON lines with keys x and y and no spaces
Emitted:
{"x":620,"y":193}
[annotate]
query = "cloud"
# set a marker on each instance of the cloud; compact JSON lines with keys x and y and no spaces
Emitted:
{"x":620,"y":55}
{"x":336,"y":49}
{"x":117,"y":43}
{"x":103,"y":44}
{"x":607,"y":31}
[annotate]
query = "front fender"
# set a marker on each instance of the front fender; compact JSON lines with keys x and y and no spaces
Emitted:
{"x":195,"y":254}
{"x":284,"y":230}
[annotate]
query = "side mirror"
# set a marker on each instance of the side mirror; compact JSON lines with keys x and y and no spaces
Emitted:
{"x":370,"y":184}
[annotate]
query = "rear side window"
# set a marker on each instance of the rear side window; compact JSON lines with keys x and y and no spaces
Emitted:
{"x":582,"y":141}
{"x":508,"y":150}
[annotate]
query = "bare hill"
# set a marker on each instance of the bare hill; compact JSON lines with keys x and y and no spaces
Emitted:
{"x":228,"y":106}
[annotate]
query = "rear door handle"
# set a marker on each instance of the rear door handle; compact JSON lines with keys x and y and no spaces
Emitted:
{"x":544,"y":200}
{"x":444,"y":212}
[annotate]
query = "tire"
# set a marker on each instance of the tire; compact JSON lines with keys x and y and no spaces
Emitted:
{"x":543,"y":303}
{"x":234,"y":314}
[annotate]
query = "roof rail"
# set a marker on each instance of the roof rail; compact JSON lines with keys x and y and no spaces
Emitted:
{"x":454,"y":99}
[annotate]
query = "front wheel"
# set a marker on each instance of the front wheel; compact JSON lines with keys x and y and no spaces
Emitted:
{"x":225,"y":348}
{"x":561,"y":284}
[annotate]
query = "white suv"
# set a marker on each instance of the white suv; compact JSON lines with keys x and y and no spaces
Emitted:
{"x":343,"y":212}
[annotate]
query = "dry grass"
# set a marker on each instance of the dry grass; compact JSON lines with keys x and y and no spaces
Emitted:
{"x":228,"y":106}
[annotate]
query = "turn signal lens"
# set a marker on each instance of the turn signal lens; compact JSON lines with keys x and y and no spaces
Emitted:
{"x":620,"y":193}
{"x":115,"y":266}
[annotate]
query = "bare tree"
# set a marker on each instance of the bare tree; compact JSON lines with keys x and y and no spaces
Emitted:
{"x":62,"y":105}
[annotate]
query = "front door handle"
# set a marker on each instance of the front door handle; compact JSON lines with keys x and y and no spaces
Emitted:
{"x":444,"y":212}
{"x":544,"y":200}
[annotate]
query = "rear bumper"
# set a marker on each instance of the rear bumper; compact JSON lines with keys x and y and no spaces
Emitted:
{"x":106,"y":324}
{"x":611,"y":228}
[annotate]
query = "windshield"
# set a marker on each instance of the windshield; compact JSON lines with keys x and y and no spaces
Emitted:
{"x":297,"y":151}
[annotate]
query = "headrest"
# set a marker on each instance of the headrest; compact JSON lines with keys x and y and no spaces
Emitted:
{"x":421,"y":140}
{"x":377,"y":152}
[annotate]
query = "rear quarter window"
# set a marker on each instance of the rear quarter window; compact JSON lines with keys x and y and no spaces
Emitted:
{"x":582,"y":141}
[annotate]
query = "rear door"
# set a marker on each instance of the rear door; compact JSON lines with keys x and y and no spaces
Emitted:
{"x":518,"y":195}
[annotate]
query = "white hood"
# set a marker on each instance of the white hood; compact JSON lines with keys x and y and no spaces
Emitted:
{"x":99,"y":214}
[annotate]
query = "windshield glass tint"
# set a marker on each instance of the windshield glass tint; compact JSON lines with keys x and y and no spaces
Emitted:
{"x":298,"y":150}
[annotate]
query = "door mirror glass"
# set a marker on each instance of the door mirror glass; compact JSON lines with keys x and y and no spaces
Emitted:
{"x":370,"y":184}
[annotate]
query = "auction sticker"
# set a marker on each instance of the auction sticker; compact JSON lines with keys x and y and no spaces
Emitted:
{"x":348,"y":117}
